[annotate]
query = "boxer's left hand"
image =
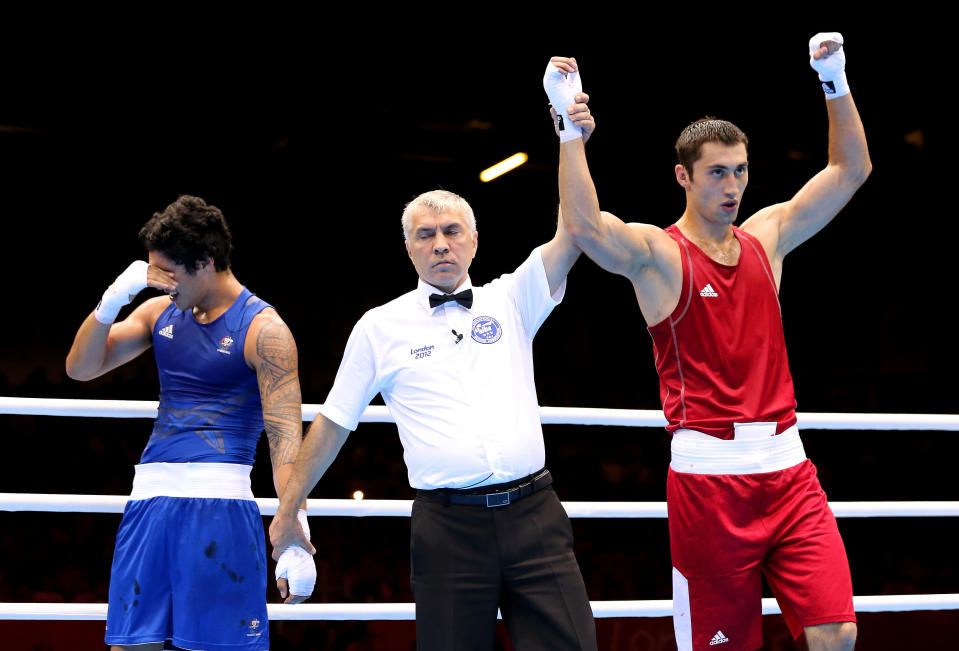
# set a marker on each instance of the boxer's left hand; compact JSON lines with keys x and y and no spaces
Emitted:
{"x":828,"y":57}
{"x":295,"y":568}
{"x":295,"y":575}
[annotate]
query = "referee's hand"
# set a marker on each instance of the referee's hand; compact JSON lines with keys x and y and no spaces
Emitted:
{"x":286,"y":531}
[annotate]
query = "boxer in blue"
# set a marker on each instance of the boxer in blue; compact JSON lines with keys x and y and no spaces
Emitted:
{"x":190,"y":561}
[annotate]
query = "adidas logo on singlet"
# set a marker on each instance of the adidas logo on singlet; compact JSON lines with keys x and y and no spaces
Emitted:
{"x":719,"y":638}
{"x":708,"y":291}
{"x":167,"y":331}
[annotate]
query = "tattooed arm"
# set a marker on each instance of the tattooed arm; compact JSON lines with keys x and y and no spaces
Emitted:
{"x":271,"y":352}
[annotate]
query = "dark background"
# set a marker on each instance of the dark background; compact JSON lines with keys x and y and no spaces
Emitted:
{"x":312,"y":136}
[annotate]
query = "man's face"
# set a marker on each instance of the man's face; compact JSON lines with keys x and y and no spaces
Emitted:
{"x":718,"y":181}
{"x":190,"y":289}
{"x":441,"y":247}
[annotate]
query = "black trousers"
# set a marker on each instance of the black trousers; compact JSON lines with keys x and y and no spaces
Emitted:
{"x":470,"y":560}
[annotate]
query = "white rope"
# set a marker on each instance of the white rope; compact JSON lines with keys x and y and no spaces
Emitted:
{"x":48,"y":502}
{"x":406,"y":611}
{"x":401,"y":508}
{"x":549,"y":415}
{"x":88,"y":408}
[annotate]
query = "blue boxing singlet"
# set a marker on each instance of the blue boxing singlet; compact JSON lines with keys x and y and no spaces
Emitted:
{"x":210,"y":407}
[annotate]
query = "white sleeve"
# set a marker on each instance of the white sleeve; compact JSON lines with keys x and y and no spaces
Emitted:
{"x":528,"y":287}
{"x":356,"y":380}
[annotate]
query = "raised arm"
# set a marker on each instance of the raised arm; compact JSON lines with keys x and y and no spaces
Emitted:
{"x":101,"y":345}
{"x":615,"y":246}
{"x":607,"y":240}
{"x":559,"y":255}
{"x":783,"y":227}
{"x":577,"y":124}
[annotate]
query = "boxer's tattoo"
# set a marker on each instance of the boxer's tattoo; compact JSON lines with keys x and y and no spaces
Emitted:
{"x":278,"y":378}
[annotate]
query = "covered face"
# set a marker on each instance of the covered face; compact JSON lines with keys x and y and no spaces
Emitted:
{"x":191,"y":289}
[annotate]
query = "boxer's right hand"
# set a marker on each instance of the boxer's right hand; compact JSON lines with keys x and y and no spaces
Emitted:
{"x":580,"y":115}
{"x":562,"y":83}
{"x":161,"y":279}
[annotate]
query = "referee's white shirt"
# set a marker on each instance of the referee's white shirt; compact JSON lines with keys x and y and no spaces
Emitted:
{"x":466,"y":410}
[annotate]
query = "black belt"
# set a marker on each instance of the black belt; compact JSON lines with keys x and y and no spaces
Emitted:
{"x":492,"y":495}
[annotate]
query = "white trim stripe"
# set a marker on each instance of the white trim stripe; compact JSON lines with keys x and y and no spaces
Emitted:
{"x":689,"y":294}
{"x":682,"y":619}
{"x":763,"y":262}
{"x":672,"y":329}
{"x":679,"y":368}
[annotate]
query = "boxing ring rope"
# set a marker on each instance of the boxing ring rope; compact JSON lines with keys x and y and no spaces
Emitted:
{"x":51,"y":503}
{"x":406,"y":611}
{"x":401,"y":508}
{"x":549,"y":415}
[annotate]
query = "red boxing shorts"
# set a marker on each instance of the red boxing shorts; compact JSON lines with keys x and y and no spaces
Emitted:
{"x":725,"y":529}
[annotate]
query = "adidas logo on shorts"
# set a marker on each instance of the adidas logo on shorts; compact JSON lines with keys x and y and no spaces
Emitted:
{"x":719,"y":638}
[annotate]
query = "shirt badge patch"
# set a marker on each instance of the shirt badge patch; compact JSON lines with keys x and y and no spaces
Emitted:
{"x":486,"y":330}
{"x":225,"y":344}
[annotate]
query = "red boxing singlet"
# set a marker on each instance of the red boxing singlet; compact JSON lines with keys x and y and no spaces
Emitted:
{"x":720,"y":355}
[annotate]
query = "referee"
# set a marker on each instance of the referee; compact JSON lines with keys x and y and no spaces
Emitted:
{"x":454,"y":365}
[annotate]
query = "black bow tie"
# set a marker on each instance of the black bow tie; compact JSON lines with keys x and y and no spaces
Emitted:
{"x":464,"y":298}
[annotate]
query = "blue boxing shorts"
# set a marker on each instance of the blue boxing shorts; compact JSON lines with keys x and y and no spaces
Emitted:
{"x":190,"y":560}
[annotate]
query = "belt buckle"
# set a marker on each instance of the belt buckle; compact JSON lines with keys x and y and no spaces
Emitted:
{"x":497,"y":499}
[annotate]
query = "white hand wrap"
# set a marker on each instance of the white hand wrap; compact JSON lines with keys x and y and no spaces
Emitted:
{"x":832,"y":67}
{"x":296,"y":564}
{"x":127,"y":285}
{"x":561,"y":88}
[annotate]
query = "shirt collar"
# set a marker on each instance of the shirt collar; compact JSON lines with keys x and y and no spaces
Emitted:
{"x":423,"y":291}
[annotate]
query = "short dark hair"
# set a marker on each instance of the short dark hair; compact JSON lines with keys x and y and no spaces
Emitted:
{"x":689,"y":145}
{"x":189,"y":231}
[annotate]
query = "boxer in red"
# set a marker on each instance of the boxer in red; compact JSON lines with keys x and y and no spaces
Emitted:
{"x":743,"y":499}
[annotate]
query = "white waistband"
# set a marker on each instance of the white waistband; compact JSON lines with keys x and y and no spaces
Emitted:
{"x":702,"y":454}
{"x":217,"y":480}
